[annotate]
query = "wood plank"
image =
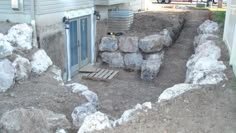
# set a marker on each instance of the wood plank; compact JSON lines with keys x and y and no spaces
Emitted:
{"x":92,"y":74}
{"x":113,"y":75}
{"x":88,"y":69}
{"x":103,"y":74}
{"x":99,"y":73}
{"x":108,"y":74}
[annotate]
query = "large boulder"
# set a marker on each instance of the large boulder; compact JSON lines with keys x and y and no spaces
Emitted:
{"x":131,"y":114}
{"x":151,"y":67}
{"x":208,"y":27}
{"x":175,"y":91}
{"x":5,"y":47}
{"x":40,"y":61}
{"x":113,"y":59}
{"x":95,"y":122}
{"x":167,"y":39}
{"x":20,"y":36}
{"x":133,"y":61}
{"x":208,"y":49}
{"x":77,"y":88}
{"x":198,"y":40}
{"x":109,"y":44}
{"x":128,"y":44}
{"x":23,"y":68}
{"x":32,"y":120}
{"x":91,"y":97}
{"x":80,"y":113}
{"x":206,"y":70}
{"x":7,"y":75}
{"x":152,"y":43}
{"x":155,"y":56}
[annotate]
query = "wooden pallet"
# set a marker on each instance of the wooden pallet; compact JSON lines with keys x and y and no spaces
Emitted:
{"x":101,"y":75}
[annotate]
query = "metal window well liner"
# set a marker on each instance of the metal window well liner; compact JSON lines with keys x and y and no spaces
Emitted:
{"x":120,"y":20}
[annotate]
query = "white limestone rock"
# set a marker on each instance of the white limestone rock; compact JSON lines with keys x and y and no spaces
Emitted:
{"x":77,"y":88}
{"x":20,"y":35}
{"x":167,"y":40}
{"x":175,"y":91}
{"x":208,"y":27}
{"x":80,"y":113}
{"x":61,"y":131}
{"x":206,"y":71}
{"x":95,"y":122}
{"x":5,"y":47}
{"x":32,"y":120}
{"x":91,"y":97}
{"x":7,"y":75}
{"x":128,"y":44}
{"x":152,"y":43}
{"x":113,"y":59}
{"x":131,"y":114}
{"x":133,"y":61}
{"x":202,"y":38}
{"x":23,"y":68}
{"x":108,"y":44}
{"x":57,"y":74}
{"x":40,"y":62}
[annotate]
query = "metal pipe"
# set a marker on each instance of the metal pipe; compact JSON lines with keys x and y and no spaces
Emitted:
{"x":67,"y":29}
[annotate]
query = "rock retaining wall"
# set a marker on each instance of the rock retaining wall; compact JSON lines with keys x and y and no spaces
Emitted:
{"x":130,"y":52}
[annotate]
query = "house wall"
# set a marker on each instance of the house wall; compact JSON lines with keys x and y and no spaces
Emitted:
{"x":230,"y":32}
{"x":51,"y":28}
{"x":22,"y":16}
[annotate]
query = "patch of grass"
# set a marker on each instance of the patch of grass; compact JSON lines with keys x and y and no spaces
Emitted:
{"x":218,"y":16}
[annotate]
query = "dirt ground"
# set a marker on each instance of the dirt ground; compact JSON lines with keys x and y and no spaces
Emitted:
{"x":127,"y":89}
{"x":211,"y":109}
{"x":41,"y":92}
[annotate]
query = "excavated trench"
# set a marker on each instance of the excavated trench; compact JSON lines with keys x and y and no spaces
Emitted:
{"x":127,"y":89}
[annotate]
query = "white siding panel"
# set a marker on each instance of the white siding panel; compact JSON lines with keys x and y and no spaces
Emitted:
{"x":5,"y":7}
{"x":53,"y":6}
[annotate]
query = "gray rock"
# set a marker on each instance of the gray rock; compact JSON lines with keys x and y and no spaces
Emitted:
{"x":108,"y":44}
{"x":202,"y":38}
{"x":128,"y":44}
{"x":133,"y":61}
{"x":32,"y":121}
{"x":156,"y":56}
{"x":80,"y":113}
{"x":113,"y":59}
{"x":23,"y":68}
{"x":152,"y":43}
{"x":150,"y":69}
{"x":7,"y":75}
{"x":167,"y":39}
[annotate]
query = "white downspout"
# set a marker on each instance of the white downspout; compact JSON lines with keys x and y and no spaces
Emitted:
{"x":67,"y":28}
{"x":93,"y":33}
{"x":33,"y":23}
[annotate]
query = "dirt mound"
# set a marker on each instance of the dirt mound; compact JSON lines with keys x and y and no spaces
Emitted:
{"x":147,"y":23}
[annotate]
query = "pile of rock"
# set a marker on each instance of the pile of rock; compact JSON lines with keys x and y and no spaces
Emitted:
{"x":203,"y":67}
{"x":18,"y":58}
{"x":133,"y":53}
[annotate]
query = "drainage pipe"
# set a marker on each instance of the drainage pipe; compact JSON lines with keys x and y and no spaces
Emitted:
{"x":67,"y":29}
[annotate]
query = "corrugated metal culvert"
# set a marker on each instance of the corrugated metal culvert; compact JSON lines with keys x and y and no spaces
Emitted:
{"x":120,"y":20}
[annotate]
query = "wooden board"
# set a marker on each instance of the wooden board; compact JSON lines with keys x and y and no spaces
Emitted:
{"x":101,"y":75}
{"x":88,"y":69}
